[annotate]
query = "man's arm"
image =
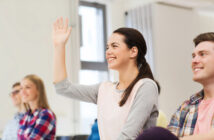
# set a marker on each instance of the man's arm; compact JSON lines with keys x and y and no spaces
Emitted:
{"x":173,"y":126}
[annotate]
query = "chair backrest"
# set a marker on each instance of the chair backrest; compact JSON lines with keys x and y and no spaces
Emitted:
{"x":162,"y":120}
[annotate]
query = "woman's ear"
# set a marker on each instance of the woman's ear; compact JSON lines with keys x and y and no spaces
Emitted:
{"x":133,"y":52}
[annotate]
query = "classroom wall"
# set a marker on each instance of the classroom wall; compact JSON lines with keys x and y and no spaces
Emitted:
{"x":26,"y":48}
{"x":173,"y":35}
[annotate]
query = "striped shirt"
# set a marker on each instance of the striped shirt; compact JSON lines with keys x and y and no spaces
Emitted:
{"x":184,"y":119}
{"x":37,"y":125}
{"x":11,"y":129}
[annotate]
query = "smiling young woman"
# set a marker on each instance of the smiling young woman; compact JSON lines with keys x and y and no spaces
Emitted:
{"x":126,"y":107}
{"x":39,"y":121}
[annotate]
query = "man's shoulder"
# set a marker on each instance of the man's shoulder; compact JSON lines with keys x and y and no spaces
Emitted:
{"x":11,"y":126}
{"x":195,"y":99}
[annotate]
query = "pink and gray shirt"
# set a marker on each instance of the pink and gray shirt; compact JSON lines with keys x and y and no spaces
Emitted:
{"x":121,"y":123}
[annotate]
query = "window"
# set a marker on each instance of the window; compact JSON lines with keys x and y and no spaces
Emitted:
{"x":92,"y":55}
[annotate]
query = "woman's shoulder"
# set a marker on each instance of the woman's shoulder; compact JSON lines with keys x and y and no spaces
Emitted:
{"x":46,"y":112}
{"x":148,"y":85}
{"x":107,"y":83}
{"x":147,"y":82}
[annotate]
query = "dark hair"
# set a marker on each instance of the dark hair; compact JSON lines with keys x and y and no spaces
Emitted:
{"x":135,"y":38}
{"x":16,"y":84}
{"x":209,"y":36}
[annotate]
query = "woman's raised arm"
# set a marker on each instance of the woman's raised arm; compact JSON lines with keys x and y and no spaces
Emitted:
{"x":60,"y":35}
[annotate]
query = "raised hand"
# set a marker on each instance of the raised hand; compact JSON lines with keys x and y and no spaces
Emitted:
{"x":61,"y":32}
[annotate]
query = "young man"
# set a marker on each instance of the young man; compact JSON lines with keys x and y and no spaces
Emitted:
{"x":196,"y":116}
{"x":194,"y":119}
{"x":11,"y":129}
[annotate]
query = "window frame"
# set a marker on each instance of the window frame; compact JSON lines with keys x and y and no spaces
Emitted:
{"x":89,"y":65}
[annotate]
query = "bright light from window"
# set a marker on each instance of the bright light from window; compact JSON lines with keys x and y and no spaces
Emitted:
{"x":92,"y":48}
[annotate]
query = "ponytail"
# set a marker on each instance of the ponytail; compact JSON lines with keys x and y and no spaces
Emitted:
{"x":144,"y":72}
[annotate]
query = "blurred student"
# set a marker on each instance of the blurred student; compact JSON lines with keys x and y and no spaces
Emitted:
{"x":11,"y":130}
{"x":39,"y":121}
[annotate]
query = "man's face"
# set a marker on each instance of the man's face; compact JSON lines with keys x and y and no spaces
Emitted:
{"x":203,"y":62}
{"x":15,"y":96}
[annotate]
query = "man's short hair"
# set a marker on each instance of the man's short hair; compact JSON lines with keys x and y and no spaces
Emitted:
{"x":16,"y":84}
{"x":209,"y":36}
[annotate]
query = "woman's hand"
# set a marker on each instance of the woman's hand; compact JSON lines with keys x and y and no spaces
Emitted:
{"x":61,"y":32}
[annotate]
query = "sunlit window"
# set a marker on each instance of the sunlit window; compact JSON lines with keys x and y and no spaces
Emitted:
{"x":92,"y":40}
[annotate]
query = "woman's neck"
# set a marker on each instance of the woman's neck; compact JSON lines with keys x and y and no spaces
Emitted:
{"x":126,"y":76}
{"x":33,"y":106}
{"x":21,"y":108}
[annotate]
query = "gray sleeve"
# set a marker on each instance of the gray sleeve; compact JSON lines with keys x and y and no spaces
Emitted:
{"x":144,"y":104}
{"x":76,"y":91}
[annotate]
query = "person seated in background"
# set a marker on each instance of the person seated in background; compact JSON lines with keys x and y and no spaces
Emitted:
{"x":195,"y":116}
{"x":194,"y":119}
{"x":39,"y":121}
{"x":11,"y":130}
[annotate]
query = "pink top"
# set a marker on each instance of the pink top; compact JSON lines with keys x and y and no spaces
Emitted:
{"x":112,"y":117}
{"x":205,"y":116}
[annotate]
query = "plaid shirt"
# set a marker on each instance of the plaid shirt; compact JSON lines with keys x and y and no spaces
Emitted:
{"x":41,"y":124}
{"x":184,"y":119}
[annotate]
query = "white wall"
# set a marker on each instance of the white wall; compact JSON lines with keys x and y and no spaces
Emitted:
{"x":119,"y":7}
{"x":206,"y":20}
{"x":26,"y":47}
{"x":174,"y":30}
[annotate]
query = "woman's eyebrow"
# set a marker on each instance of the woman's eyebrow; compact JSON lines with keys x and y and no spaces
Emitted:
{"x":113,"y":43}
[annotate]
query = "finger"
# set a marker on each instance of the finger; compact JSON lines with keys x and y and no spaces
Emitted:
{"x":54,"y":26}
{"x":66,"y":24}
{"x":61,"y":23}
{"x":69,"y":31}
{"x":57,"y":24}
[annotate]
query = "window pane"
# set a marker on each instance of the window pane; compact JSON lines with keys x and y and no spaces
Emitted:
{"x":92,"y":47}
{"x":88,"y":77}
